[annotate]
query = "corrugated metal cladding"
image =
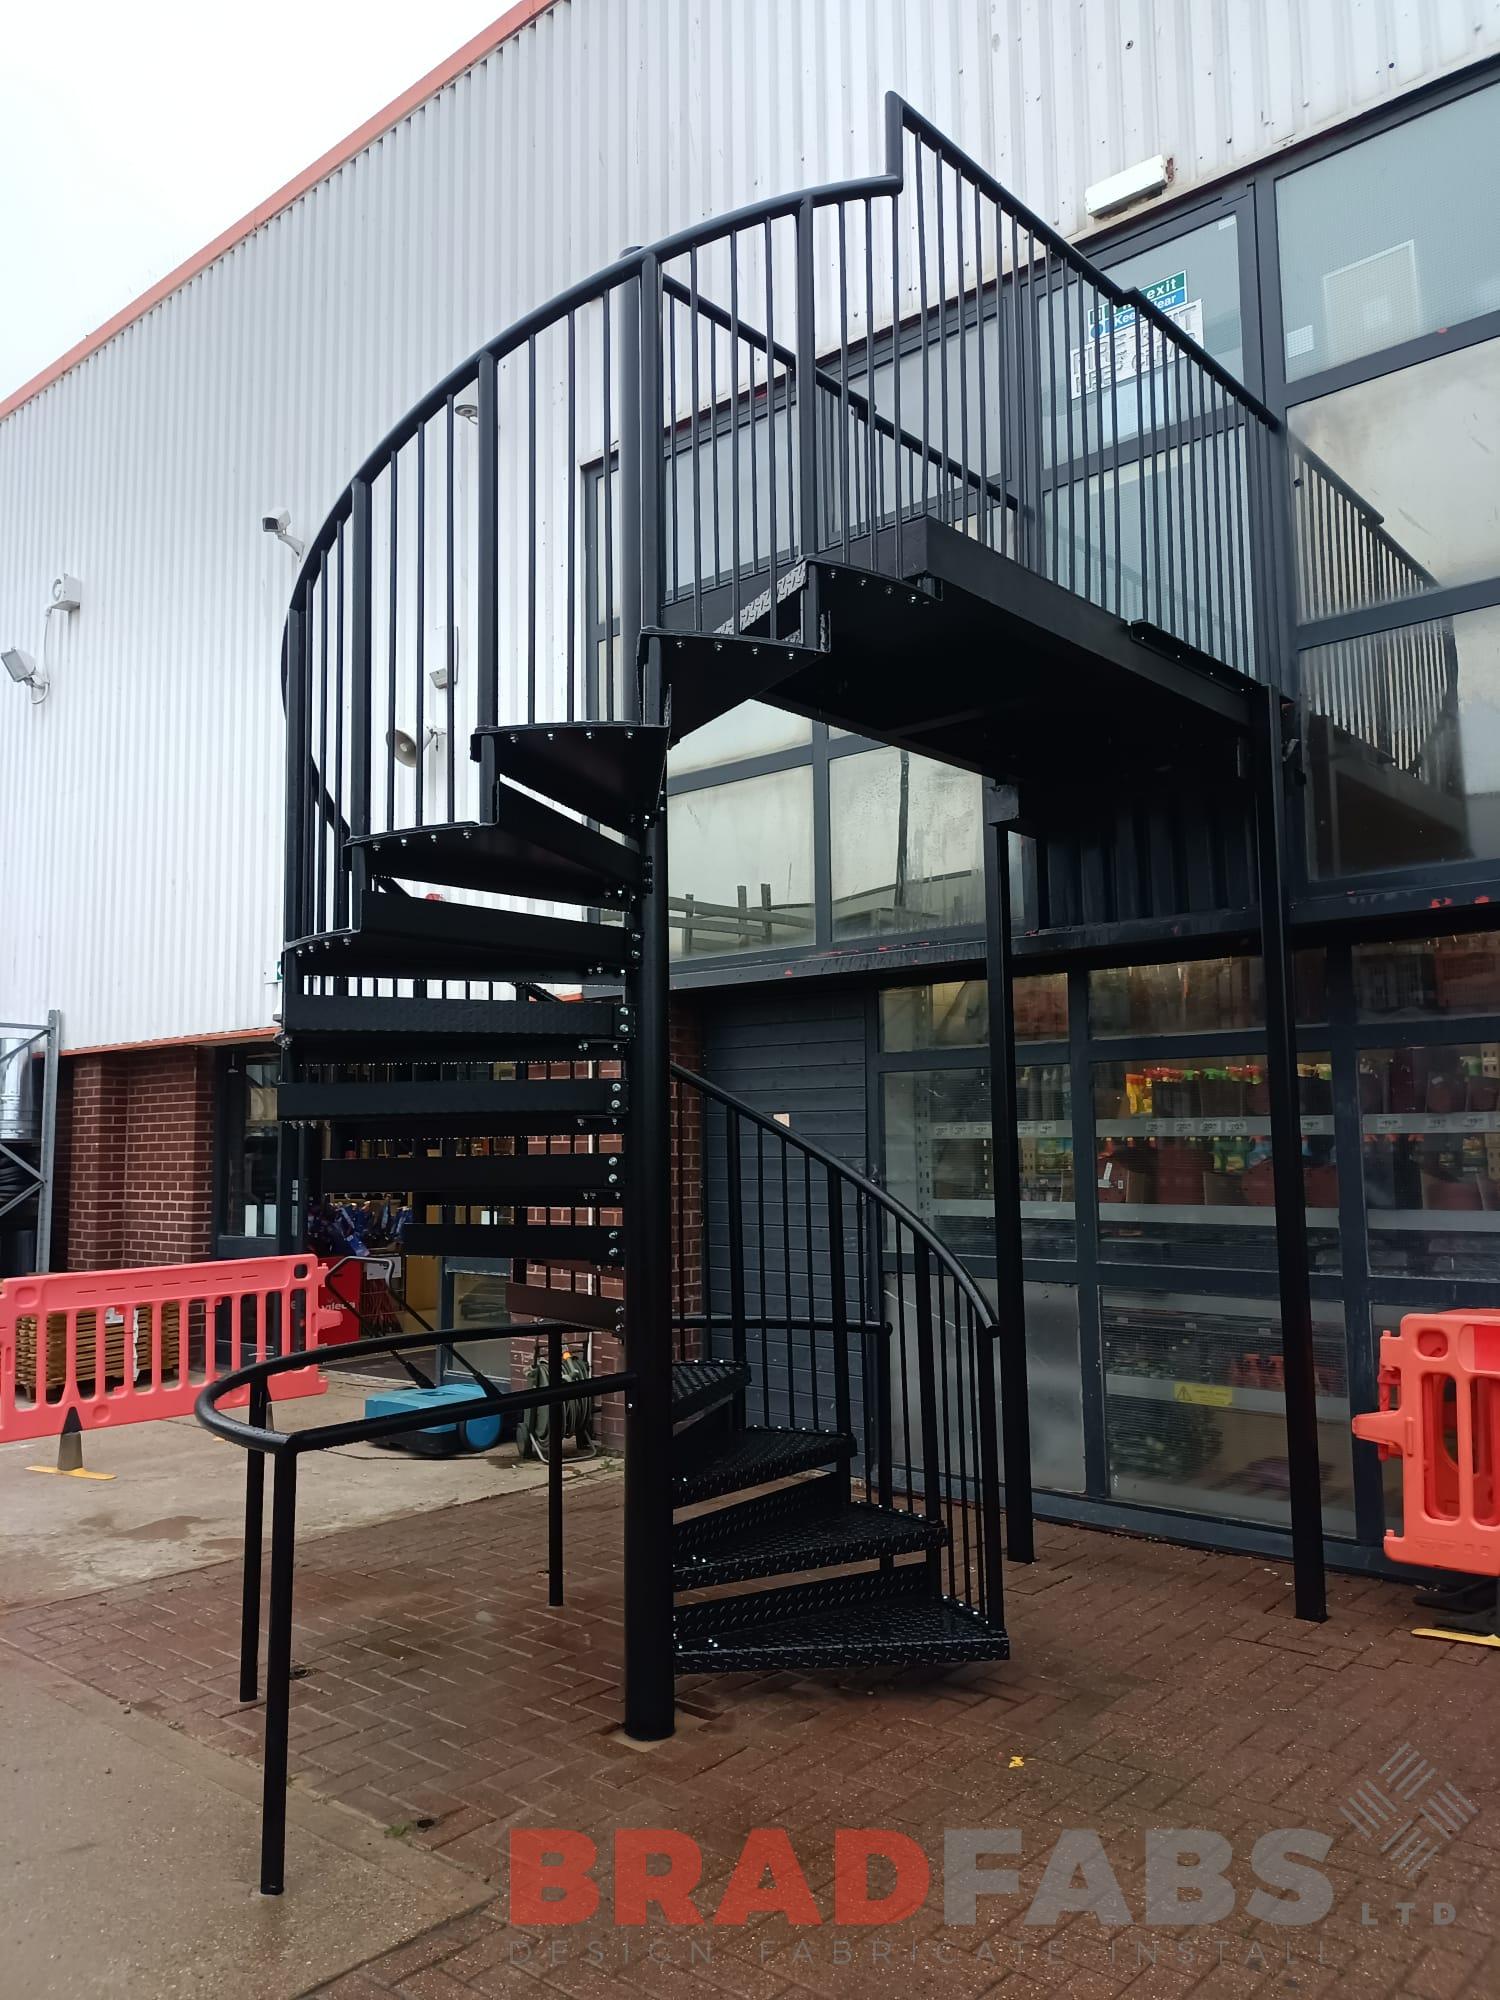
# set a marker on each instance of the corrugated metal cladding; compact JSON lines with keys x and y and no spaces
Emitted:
{"x":142,"y":802}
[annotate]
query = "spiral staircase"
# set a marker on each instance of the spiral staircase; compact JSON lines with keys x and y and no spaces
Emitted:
{"x":700,"y":477}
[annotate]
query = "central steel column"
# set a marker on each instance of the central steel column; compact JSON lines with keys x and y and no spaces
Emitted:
{"x":649,"y":1650}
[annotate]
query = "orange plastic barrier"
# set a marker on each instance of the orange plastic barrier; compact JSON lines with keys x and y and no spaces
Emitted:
{"x":1440,"y":1414}
{"x":122,"y":1347}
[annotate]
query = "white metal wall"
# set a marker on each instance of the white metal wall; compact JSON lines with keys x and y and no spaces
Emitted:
{"x":140,"y":885}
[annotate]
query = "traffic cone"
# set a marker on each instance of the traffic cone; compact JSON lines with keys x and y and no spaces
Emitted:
{"x":70,"y":1444}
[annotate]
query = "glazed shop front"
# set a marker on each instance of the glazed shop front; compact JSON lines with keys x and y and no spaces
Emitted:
{"x":1152,"y":1324}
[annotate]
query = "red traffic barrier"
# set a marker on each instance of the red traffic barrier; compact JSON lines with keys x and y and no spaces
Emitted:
{"x":1440,"y":1415}
{"x":122,"y":1347}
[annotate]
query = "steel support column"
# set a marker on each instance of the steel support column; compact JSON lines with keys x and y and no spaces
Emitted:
{"x":1304,"y":1478}
{"x":1005,"y":1153}
{"x":649,"y":1648}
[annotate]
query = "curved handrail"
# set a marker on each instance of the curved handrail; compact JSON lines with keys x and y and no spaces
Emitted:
{"x":257,"y":1375}
{"x":881,"y":1197}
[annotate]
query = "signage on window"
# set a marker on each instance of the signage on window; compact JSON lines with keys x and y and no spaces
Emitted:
{"x":1114,"y":346}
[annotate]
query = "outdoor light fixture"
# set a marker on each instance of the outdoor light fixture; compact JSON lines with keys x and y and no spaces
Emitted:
{"x":1135,"y":183}
{"x":25,"y":672}
{"x":403,"y":744}
{"x":277,"y":524}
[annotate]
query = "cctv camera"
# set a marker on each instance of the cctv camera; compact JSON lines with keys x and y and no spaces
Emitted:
{"x":276,"y":524}
{"x":20,"y":666}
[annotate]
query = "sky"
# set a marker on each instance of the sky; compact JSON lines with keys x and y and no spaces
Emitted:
{"x":133,"y":132}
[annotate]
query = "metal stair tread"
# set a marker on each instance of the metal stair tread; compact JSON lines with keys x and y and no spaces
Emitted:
{"x":529,"y":850}
{"x":533,"y":1106}
{"x":612,"y":771}
{"x":414,"y":1024}
{"x":750,"y":1457}
{"x":411,"y":937}
{"x":855,"y":1531}
{"x":882,"y":1633}
{"x":703,"y":1385}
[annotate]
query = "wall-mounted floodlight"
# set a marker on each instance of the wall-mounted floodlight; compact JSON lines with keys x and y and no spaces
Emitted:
{"x":277,"y":524}
{"x":23,"y":669}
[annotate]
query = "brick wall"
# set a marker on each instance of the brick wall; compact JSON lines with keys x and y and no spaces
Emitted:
{"x":687,"y":1241}
{"x":135,"y":1176}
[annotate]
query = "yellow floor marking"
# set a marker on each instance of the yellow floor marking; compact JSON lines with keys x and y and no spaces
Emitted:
{"x":1456,"y":1638}
{"x":57,"y":1472}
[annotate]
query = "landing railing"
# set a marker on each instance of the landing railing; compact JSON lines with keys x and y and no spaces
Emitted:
{"x":810,"y":376}
{"x":851,"y":1316}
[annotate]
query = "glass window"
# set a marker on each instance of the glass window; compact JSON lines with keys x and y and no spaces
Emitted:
{"x":939,"y":1158}
{"x":250,"y":1148}
{"x":1403,"y":746}
{"x":1195,"y":280}
{"x":955,"y":1013}
{"x":1195,"y":1410}
{"x":740,"y":868}
{"x":751,"y":730}
{"x":1392,"y":237}
{"x":1430,"y":1120}
{"x":1434,"y":975}
{"x":1184,"y":1161}
{"x":1395,"y":485}
{"x":1093,"y":541}
{"x":1054,"y":1384}
{"x":906,"y":839}
{"x":1196,"y":996}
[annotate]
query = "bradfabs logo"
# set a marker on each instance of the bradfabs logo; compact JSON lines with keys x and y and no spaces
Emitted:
{"x":657,"y":1871}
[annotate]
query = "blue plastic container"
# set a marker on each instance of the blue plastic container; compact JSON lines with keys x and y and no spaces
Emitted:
{"x":457,"y":1434}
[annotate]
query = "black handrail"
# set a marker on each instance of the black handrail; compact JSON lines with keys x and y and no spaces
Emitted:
{"x":847,"y":1312}
{"x":260,"y":1441}
{"x":1017,"y":432}
{"x":882,"y":1197}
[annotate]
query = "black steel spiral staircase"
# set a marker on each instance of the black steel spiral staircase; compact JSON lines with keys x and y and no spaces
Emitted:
{"x":891,"y":454}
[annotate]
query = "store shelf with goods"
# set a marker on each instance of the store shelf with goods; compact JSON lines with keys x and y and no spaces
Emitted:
{"x":1425,"y":1123}
{"x":1218,"y":1216}
{"x":1437,"y":1221}
{"x":1242,"y":1126}
{"x":1218,"y":1396}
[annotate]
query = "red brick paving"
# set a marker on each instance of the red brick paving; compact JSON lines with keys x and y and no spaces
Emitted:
{"x":1152,"y":1686}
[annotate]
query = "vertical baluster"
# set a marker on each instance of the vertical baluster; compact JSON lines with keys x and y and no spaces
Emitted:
{"x":901,"y":1347}
{"x":607,"y":608}
{"x":895,"y":374}
{"x":762,"y":1287}
{"x":872,"y":518}
{"x":570,"y":668}
{"x":361,"y":668}
{"x":932,"y":1498}
{"x":770,"y":305}
{"x":450,"y":637}
{"x":736,"y":556}
{"x":786,"y":1288}
{"x":942,"y":290}
{"x":844,"y":378}
{"x":734,"y":1195}
{"x":1196,"y":495}
{"x":947,"y":1495}
{"x":392,"y":616}
{"x":694,"y":391}
{"x":487,"y":563}
{"x":713,"y":442}
{"x":1101,"y":346}
{"x":809,"y":533}
{"x":533,"y":459}
{"x":339,"y":857}
{"x":926,"y":438}
{"x":965,"y":487}
{"x":839,"y":1302}
{"x":1054,"y":390}
{"x":979,"y":382}
{"x":812,"y":1290}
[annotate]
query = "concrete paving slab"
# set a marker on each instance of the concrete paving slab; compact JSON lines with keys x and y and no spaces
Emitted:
{"x":176,"y":1498}
{"x":128,"y":1859}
